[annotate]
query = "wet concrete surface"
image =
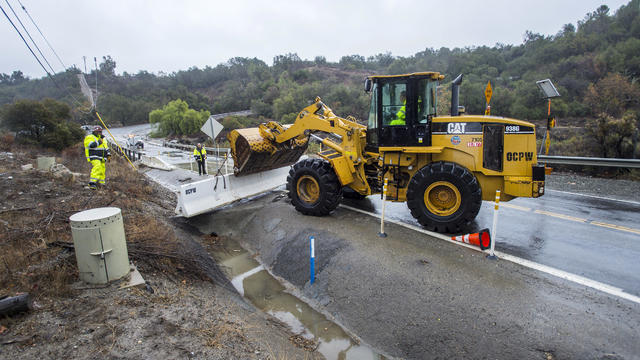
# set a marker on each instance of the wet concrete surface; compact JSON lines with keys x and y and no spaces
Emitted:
{"x":570,"y":232}
{"x":413,"y":296}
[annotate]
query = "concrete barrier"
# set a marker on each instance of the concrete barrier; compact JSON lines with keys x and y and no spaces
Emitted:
{"x":205,"y":195}
{"x":156,"y":163}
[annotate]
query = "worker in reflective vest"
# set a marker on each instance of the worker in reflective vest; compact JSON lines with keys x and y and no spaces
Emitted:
{"x":401,"y":115}
{"x":200,"y":154}
{"x":96,"y":150}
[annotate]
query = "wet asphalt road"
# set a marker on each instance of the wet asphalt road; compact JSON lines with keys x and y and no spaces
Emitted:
{"x":412,"y":296}
{"x":592,"y":237}
{"x":598,"y":238}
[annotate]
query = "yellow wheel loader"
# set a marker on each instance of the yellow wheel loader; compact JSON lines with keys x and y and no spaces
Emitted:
{"x":442,"y":166}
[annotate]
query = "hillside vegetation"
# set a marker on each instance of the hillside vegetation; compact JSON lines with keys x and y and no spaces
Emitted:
{"x":595,"y":66}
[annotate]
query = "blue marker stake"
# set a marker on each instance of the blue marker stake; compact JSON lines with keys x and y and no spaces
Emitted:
{"x":312,"y":259}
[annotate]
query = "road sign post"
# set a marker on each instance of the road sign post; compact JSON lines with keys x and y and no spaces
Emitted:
{"x":487,"y":94}
{"x":549,"y":91}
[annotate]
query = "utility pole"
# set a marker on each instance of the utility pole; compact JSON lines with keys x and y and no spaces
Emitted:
{"x":95,"y":61}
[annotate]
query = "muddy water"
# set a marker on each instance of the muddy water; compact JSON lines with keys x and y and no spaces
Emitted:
{"x":265,"y":292}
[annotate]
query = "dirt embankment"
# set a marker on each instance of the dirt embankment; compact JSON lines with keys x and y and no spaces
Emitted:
{"x":188,"y":309}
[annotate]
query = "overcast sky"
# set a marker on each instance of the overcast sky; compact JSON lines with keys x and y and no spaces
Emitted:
{"x":168,"y":36}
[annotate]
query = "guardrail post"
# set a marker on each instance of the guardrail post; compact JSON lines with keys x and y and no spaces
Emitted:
{"x":494,"y":228}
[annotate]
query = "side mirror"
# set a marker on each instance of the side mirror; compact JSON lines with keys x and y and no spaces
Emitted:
{"x":367,"y":85}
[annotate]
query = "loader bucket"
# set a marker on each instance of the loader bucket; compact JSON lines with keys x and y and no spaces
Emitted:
{"x":252,"y":153}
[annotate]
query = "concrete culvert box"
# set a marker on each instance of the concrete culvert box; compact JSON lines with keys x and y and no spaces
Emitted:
{"x":45,"y":162}
{"x":100,"y":245}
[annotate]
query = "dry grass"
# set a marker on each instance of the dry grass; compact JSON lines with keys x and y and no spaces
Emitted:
{"x":35,"y":238}
{"x":6,"y":141}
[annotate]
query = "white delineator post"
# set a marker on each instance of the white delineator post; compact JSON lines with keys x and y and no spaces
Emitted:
{"x":494,"y":227}
{"x":226,"y":162}
{"x":384,"y":200}
{"x":312,"y":260}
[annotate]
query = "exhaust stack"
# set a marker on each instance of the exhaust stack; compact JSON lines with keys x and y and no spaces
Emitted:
{"x":455,"y":94}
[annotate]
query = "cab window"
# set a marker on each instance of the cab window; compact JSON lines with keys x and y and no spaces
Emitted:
{"x":394,"y":101}
{"x":426,"y":100}
{"x":372,"y":133}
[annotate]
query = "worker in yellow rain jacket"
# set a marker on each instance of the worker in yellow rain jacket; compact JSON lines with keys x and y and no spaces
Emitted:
{"x":401,"y":115}
{"x":200,"y":153}
{"x":97,"y":153}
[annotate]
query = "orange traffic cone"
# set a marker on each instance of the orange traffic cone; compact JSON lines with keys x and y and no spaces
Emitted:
{"x":481,"y":239}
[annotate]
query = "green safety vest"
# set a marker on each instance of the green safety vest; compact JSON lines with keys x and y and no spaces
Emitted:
{"x":96,"y":148}
{"x":200,"y":155}
{"x":401,"y":116}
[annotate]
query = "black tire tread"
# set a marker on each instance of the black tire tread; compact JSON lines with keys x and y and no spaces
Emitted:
{"x":330,"y":188}
{"x":470,"y":192}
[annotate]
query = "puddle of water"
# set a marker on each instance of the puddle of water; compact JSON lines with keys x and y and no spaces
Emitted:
{"x":266,"y":293}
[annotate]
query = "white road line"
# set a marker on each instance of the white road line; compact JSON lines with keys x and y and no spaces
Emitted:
{"x":611,"y":290}
{"x":593,"y":196}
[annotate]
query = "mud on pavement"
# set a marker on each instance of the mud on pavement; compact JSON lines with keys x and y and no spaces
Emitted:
{"x":413,"y":296}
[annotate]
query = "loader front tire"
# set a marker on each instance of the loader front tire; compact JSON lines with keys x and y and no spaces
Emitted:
{"x":313,"y":187}
{"x":444,"y":197}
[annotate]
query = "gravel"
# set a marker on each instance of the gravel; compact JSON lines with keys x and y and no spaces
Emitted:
{"x":628,"y":190}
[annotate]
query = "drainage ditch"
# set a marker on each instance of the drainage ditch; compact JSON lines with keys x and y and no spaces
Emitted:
{"x":265,"y":292}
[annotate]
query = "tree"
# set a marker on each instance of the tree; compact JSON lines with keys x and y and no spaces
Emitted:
{"x":117,"y":108}
{"x":352,"y":62}
{"x":614,"y":137}
{"x":108,"y":66}
{"x":44,"y":123}
{"x":320,"y":60}
{"x":176,"y":118}
{"x":17,"y":77}
{"x":613,"y":96}
{"x":5,"y":79}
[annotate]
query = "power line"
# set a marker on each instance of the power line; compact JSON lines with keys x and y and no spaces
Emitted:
{"x":29,"y":35}
{"x":45,"y":39}
{"x":37,"y":59}
{"x":25,"y":42}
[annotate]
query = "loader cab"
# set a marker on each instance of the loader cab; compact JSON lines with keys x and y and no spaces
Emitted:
{"x":401,"y":109}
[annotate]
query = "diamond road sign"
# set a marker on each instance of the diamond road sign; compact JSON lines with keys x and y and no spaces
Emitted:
{"x":212,"y":127}
{"x":488,"y":92}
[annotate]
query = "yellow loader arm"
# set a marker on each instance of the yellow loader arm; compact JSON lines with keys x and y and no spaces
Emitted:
{"x":273,"y":145}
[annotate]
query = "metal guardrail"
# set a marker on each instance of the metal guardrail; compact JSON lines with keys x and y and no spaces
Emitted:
{"x":131,"y":154}
{"x":210,"y":150}
{"x":590,"y":161}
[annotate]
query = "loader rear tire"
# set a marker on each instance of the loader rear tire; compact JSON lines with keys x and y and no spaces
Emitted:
{"x":444,"y":197}
{"x":313,"y":187}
